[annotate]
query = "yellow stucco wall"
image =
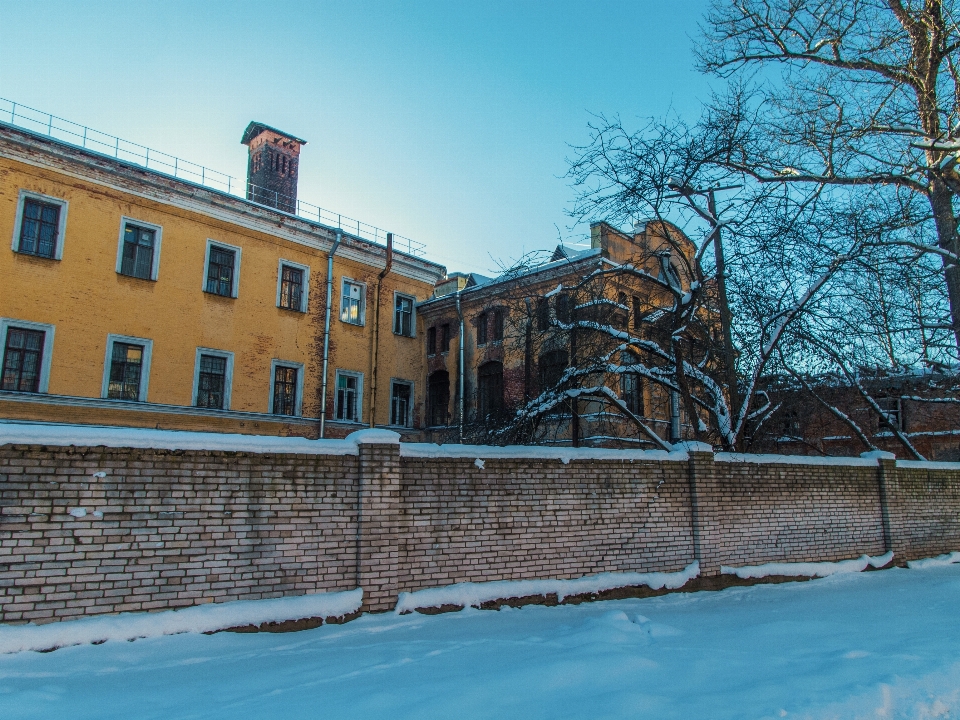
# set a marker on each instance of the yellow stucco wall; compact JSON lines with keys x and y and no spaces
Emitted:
{"x":86,"y":299}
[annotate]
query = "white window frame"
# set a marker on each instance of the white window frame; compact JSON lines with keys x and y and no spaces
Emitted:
{"x":363,"y":300}
{"x":45,"y":361}
{"x":61,"y":228}
{"x":227,"y":378}
{"x":144,"y":369}
{"x":235,"y":290}
{"x":413,"y":313}
{"x":298,"y":405}
{"x":410,"y":384}
{"x":336,"y":386}
{"x":304,"y":296}
{"x":157,"y":236}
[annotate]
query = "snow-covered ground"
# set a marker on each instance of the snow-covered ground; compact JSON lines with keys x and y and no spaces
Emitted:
{"x":855,"y":645}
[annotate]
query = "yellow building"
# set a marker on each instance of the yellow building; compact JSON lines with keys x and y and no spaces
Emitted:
{"x":131,"y":297}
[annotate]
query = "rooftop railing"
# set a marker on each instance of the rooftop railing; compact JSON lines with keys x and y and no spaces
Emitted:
{"x":41,"y":123}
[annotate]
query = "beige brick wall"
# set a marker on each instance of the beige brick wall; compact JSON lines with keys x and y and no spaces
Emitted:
{"x":167,"y":529}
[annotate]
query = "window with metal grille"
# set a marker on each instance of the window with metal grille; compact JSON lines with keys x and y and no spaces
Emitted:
{"x":39,"y":227}
{"x":438,"y":398}
{"x":291,"y":288}
{"x":401,"y":401}
{"x":543,"y":313}
{"x":497,"y":325}
{"x":285,"y":390}
{"x":489,"y":392}
{"x":126,"y":367}
{"x":138,"y":245}
{"x":431,"y":341}
{"x":220,"y":271}
{"x":22,"y":360}
{"x":211,"y":382}
{"x":403,"y":316}
{"x":630,"y":393}
{"x":352,"y":302}
{"x":348,"y":397}
{"x":891,"y":411}
{"x":482,"y":329}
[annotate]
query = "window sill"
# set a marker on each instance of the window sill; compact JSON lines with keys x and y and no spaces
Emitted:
{"x":36,"y":255}
{"x":216,"y":294}
{"x":136,"y":277}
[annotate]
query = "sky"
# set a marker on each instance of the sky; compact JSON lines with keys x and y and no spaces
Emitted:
{"x":447,"y":122}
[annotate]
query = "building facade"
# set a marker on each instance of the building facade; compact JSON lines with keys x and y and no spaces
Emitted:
{"x":131,"y":297}
{"x":492,"y":345}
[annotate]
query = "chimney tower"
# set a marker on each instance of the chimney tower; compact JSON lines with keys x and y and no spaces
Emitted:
{"x":272,"y":169}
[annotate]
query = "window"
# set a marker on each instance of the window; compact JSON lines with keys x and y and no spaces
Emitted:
{"x":213,"y":376}
{"x":403,"y":315}
{"x":489,"y":392}
{"x":139,"y":251}
{"x":293,"y":283}
{"x":27,"y":350}
{"x":287,"y":387}
{"x":631,"y":391}
{"x":622,"y":312}
{"x":349,"y":396}
{"x":445,"y":337}
{"x":39,"y":225}
{"x":497,"y":325}
{"x":891,"y":413}
{"x":432,"y":341}
{"x":482,"y":329}
{"x":127,"y":368}
{"x":352,"y":305}
{"x":637,"y":313}
{"x":22,"y":359}
{"x":222,"y":270}
{"x":551,"y":365}
{"x":438,"y":398}
{"x":563,"y":308}
{"x":543,"y":313}
{"x":401,"y":403}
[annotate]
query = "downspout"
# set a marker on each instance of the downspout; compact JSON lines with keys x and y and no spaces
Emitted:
{"x":375,"y":350}
{"x":326,"y":333}
{"x":460,"y":374}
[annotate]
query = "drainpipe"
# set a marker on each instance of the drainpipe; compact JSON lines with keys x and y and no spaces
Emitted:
{"x":460,"y":373}
{"x":326,"y":333}
{"x":375,"y":350}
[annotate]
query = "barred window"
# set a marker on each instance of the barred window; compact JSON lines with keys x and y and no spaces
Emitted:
{"x":22,"y":360}
{"x":401,"y":402}
{"x":285,"y":390}
{"x":220,"y":271}
{"x":291,"y":288}
{"x":348,"y":397}
{"x":138,"y":250}
{"x":211,"y":382}
{"x":126,"y":367}
{"x":39,"y":228}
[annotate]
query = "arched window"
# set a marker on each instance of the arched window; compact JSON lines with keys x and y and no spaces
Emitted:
{"x":438,"y":398}
{"x":489,"y":391}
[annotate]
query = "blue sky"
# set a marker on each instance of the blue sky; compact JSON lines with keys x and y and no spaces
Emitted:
{"x":447,"y":122}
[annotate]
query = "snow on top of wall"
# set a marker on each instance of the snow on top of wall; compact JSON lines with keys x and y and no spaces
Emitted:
{"x":197,"y":619}
{"x":939,"y":561}
{"x":928,"y":465}
{"x":811,"y":569}
{"x":374,"y":436}
{"x":121,"y":437}
{"x":475,"y":594}
{"x":794,"y":459}
{"x":563,"y":454}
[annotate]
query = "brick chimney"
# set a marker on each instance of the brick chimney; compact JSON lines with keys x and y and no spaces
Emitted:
{"x":272,"y":167}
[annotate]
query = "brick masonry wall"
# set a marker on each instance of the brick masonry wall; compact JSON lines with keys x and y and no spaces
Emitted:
{"x":167,"y":529}
{"x":531,"y":518}
{"x":177,"y":528}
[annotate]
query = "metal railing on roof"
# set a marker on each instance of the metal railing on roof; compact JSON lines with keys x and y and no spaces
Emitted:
{"x":39,"y":122}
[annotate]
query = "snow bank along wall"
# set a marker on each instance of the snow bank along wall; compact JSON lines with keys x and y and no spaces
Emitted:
{"x":87,"y":530}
